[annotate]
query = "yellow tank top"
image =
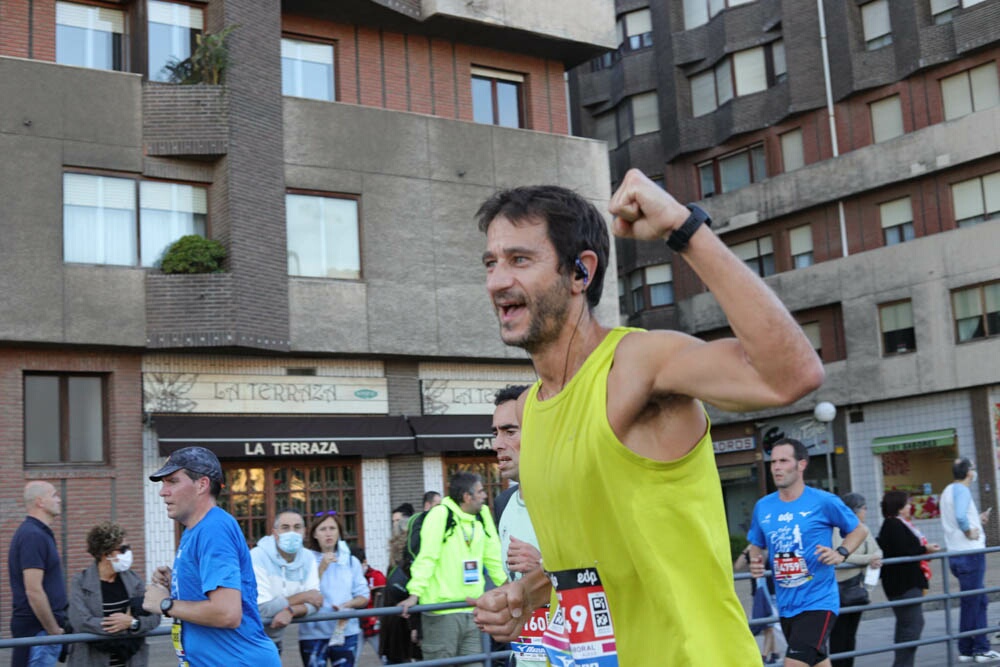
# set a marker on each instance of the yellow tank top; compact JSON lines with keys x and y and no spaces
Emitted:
{"x":656,"y":531}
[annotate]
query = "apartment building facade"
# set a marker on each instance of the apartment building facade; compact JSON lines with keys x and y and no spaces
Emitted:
{"x":848,"y":153}
{"x":346,"y":356}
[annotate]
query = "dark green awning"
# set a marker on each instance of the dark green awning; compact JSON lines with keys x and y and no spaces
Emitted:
{"x":924,"y":440}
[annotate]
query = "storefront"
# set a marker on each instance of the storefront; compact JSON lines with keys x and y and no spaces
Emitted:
{"x":920,"y":464}
{"x":738,"y":460}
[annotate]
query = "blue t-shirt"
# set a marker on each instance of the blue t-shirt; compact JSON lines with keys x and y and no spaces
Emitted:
{"x":213,"y":554}
{"x":791,"y":531}
{"x":33,"y":546}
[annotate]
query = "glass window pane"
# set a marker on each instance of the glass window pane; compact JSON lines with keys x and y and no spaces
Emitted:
{"x":895,"y":212}
{"x":482,"y":100}
{"x":800,"y":239}
{"x":751,"y":74}
{"x":778,"y":58}
{"x":735,"y":171}
{"x":985,"y":89}
{"x":172,"y":29}
{"x":887,"y":119}
{"x":992,"y":298}
{"x":638,"y":23}
{"x":956,"y":95}
{"x":706,"y":174}
{"x":724,"y":81}
{"x":661,"y":295}
{"x":967,"y":303}
{"x":41,"y":419}
{"x":703,"y":93}
{"x":86,"y":419}
{"x":812,"y":332}
{"x":168,"y":211}
{"x":99,"y":220}
{"x":991,"y":192}
{"x":745,"y":251}
{"x":659,"y":273}
{"x":307,"y":69}
{"x":968,"y":198}
{"x":508,"y":105}
{"x":695,"y":13}
{"x":759,"y":163}
{"x":604,"y":129}
{"x":897,"y":316}
{"x":323,"y":237}
{"x":89,"y":36}
{"x":875,"y":18}
{"x":792,"y":154}
{"x":645,"y":113}
{"x":938,"y":6}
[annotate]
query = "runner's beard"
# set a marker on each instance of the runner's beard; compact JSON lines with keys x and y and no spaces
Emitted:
{"x":548,"y":313}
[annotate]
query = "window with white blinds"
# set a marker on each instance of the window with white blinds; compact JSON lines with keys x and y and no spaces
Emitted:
{"x":792,"y":152}
{"x":90,"y":36}
{"x":977,"y":199}
{"x":105,"y":223}
{"x":750,"y":71}
{"x":323,"y":236}
{"x":645,"y":113}
{"x":173,"y":33}
{"x":896,"y":218}
{"x":660,"y":279}
{"x":307,"y":69}
{"x":972,"y":90}
{"x":800,"y":242}
{"x":876,"y":24}
{"x":813,"y":333}
{"x":887,"y":118}
{"x":896,"y":327}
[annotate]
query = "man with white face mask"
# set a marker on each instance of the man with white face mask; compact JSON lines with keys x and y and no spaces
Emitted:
{"x":963,"y":531}
{"x":287,"y":575}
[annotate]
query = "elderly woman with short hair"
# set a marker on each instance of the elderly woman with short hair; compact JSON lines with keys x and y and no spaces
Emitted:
{"x":101,"y":603}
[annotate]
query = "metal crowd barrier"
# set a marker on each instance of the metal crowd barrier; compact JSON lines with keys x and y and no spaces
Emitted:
{"x":946,"y":597}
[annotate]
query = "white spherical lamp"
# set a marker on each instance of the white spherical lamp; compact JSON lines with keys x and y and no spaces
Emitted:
{"x":825,"y":411}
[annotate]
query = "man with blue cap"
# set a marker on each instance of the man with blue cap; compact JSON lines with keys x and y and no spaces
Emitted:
{"x":211,"y":592}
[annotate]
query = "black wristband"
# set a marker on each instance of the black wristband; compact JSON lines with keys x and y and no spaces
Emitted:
{"x":678,"y":239}
{"x":842,"y":550}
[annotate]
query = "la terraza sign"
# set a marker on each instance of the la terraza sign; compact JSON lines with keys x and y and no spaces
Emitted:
{"x":315,"y":448}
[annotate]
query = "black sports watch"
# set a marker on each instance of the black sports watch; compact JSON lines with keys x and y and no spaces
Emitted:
{"x":678,"y":239}
{"x":166,"y":604}
{"x":842,"y":550}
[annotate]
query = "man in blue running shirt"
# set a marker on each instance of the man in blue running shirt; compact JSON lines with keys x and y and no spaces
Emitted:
{"x":794,"y":526}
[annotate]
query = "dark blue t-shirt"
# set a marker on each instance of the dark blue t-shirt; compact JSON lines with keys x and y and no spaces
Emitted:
{"x":34,"y":547}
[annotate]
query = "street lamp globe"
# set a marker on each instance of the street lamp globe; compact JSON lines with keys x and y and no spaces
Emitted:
{"x":825,"y":411}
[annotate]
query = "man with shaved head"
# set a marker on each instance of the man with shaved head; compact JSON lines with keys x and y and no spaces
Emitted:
{"x":36,"y":578}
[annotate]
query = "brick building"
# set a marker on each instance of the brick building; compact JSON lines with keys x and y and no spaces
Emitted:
{"x":346,"y":357}
{"x":848,"y":152}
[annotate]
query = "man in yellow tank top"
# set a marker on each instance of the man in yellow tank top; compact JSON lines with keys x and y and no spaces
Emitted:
{"x":617,"y":468}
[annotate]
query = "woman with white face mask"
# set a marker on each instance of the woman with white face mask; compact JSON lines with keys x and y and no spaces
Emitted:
{"x":101,"y":602}
{"x":343,"y":585}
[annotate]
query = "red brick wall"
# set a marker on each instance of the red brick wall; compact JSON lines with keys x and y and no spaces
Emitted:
{"x":15,"y":23}
{"x":414,"y":73}
{"x":90,"y":493}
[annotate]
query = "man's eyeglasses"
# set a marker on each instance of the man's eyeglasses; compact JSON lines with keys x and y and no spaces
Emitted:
{"x":327,"y":513}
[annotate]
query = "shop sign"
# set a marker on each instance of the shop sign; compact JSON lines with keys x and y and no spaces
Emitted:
{"x":817,"y":436}
{"x":462,"y":397}
{"x":262,"y":394}
{"x":745,"y":444}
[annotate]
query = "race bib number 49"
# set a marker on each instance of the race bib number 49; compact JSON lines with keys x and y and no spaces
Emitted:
{"x":580,"y":633}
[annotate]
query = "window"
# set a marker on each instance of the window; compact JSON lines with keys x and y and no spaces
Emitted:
{"x":307,"y":70}
{"x":64,"y":418}
{"x":897,"y":221}
{"x":972,"y":90}
{"x":698,"y":12}
{"x":792,"y":153}
{"x":496,"y":97}
{"x":977,"y":312}
{"x":635,"y":285}
{"x":733,"y":171}
{"x":253,"y":492}
{"x":173,"y":31}
{"x":896,"y":324}
{"x":323,"y":237}
{"x":743,"y":73}
{"x":485,"y":466}
{"x":977,"y":199}
{"x":622,"y":306}
{"x":887,"y":119}
{"x":757,"y":254}
{"x":89,"y":36}
{"x":875,"y":20}
{"x":167,"y":212}
{"x":605,"y":129}
{"x":100,"y":215}
{"x":813,"y":333}
{"x":635,"y":30}
{"x":943,"y":10}
{"x":645,"y":113}
{"x":800,"y":241}
{"x":660,"y":279}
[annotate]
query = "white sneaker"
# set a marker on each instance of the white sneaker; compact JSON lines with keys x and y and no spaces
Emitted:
{"x":965,"y":658}
{"x":989,"y":656}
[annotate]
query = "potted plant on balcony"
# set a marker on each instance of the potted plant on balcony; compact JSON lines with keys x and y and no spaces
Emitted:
{"x":207,"y":63}
{"x":193,"y":254}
